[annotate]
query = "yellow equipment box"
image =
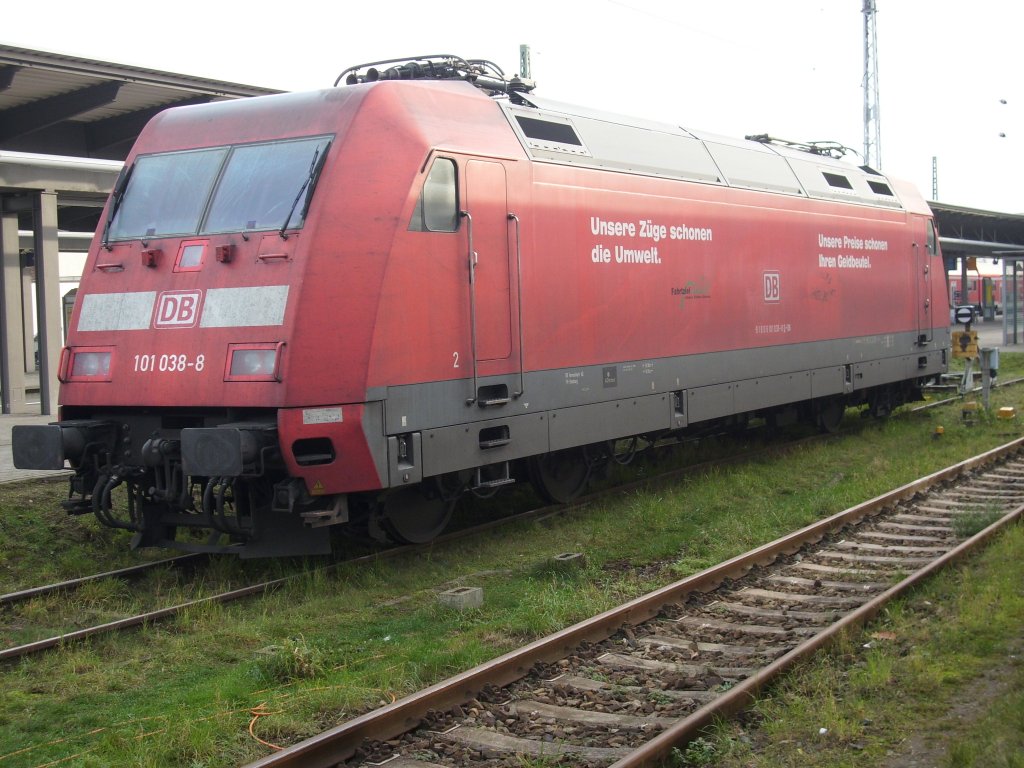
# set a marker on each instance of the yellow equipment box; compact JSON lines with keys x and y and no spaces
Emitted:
{"x":965,"y":344}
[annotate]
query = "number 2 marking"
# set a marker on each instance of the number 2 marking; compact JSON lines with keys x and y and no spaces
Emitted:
{"x":456,"y":356}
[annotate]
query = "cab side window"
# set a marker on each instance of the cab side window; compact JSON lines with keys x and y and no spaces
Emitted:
{"x":438,"y":207}
{"x":931,"y":238}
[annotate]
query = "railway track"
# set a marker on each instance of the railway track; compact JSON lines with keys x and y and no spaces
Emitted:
{"x":70,"y":585}
{"x":625,"y":687}
{"x":251,"y":590}
{"x":262,"y":587}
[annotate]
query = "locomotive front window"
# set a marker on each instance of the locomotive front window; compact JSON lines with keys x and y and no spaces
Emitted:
{"x":265,"y":186}
{"x":221,"y":189}
{"x":438,"y":206}
{"x":166,"y":194}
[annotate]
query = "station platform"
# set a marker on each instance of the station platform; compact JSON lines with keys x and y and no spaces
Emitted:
{"x":990,"y":334}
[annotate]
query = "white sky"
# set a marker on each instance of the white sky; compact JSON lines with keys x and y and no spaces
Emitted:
{"x":792,"y":68}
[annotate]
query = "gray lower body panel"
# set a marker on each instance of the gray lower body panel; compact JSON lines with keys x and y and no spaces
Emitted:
{"x":586,"y":424}
{"x":569,"y":407}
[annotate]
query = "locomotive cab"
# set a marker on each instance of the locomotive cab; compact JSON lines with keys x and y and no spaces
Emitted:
{"x":178,"y":349}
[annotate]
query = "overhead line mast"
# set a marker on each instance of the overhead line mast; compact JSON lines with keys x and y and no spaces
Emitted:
{"x":872,"y":122}
{"x":524,"y":62}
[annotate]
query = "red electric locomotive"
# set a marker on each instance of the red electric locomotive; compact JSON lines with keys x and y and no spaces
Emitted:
{"x":354,"y":305}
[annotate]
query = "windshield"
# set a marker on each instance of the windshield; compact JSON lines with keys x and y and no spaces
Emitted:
{"x":222,"y":189}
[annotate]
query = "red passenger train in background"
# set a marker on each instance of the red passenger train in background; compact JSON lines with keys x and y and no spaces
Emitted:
{"x":353,"y":306}
{"x":984,"y":292}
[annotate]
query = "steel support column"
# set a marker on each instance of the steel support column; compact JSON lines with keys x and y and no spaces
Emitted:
{"x":28,"y":279}
{"x":12,"y":319}
{"x":49,"y":318}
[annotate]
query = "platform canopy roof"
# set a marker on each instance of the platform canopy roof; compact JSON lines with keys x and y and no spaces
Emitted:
{"x":976,"y":232}
{"x":51,"y":103}
{"x":67,"y":122}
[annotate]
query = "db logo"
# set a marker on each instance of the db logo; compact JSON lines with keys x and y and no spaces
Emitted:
{"x":177,"y":309}
{"x":771,"y":286}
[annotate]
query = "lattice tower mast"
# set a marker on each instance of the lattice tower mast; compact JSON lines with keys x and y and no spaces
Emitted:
{"x":872,"y":123}
{"x":524,"y":62}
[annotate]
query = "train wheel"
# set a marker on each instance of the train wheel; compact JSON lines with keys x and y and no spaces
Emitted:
{"x":830,"y":415}
{"x":882,"y":400}
{"x":560,"y":476}
{"x":412,"y":518}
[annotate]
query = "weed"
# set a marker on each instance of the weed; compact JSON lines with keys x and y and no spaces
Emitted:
{"x":969,"y":523}
{"x":293,"y":659}
{"x":97,"y":593}
{"x":595,"y":674}
{"x":540,"y":762}
{"x":657,"y":697}
{"x":699,"y":752}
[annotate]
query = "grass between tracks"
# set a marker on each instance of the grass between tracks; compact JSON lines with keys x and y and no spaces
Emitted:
{"x":204,"y":689}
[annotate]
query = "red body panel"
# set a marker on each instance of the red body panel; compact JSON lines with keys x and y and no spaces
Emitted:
{"x":836,"y":271}
{"x":707,"y":293}
{"x":345,"y":431}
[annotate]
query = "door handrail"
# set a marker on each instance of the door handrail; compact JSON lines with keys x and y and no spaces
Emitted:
{"x":924,"y":295}
{"x":472,"y":303}
{"x":519,"y":306}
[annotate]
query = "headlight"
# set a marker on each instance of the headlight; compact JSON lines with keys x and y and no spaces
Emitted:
{"x":90,"y":364}
{"x":254,"y":362}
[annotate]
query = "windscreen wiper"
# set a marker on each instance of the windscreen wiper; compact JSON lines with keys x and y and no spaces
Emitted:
{"x":115,"y":201}
{"x":310,"y":183}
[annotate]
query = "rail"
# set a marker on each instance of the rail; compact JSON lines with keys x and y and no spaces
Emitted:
{"x":388,"y":722}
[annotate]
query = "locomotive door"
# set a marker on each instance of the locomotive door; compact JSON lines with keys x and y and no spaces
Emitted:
{"x":925,"y":247}
{"x":487,"y":206}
